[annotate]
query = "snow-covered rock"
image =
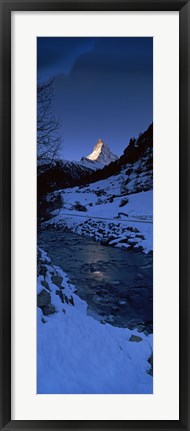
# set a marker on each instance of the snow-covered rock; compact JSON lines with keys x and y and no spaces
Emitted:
{"x":110,"y":217}
{"x":100,"y":156}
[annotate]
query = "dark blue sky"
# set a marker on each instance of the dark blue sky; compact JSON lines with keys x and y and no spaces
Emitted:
{"x":103,"y":89}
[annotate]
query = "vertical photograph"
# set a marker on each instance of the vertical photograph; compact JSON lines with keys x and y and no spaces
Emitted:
{"x":94,"y":215}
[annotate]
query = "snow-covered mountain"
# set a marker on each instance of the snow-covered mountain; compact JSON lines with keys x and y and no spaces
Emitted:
{"x":102,"y":192}
{"x":63,"y":173}
{"x":67,"y":173}
{"x":114,"y":205}
{"x":99,"y":157}
{"x":135,"y":165}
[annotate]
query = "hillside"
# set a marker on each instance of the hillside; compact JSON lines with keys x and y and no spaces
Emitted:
{"x":137,"y":159}
{"x":116,"y":210}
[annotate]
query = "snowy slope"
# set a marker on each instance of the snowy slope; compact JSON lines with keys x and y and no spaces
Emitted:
{"x":116,"y":207}
{"x":78,"y":354}
{"x":106,"y":214}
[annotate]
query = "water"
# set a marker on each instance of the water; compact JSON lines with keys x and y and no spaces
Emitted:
{"x":115,"y":283}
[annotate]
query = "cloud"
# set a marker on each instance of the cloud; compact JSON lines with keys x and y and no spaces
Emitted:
{"x":57,"y":55}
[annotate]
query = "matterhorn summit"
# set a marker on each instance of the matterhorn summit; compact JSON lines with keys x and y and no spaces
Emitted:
{"x":100,"y":156}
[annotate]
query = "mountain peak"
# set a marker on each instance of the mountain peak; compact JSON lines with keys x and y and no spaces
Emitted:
{"x":100,"y":156}
{"x":97,"y":150}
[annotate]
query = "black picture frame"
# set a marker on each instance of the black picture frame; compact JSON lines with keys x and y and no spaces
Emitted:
{"x":183,"y":6}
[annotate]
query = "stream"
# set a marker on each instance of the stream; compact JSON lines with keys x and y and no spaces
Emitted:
{"x":117,"y":284}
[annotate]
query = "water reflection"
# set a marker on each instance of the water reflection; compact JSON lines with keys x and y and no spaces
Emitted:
{"x":117,"y":284}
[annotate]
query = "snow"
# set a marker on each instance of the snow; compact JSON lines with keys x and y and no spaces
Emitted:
{"x":96,"y":151}
{"x":107,"y":215}
{"x":39,"y":285}
{"x":99,"y":157}
{"x":78,"y":354}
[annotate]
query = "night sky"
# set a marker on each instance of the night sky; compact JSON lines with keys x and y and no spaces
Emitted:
{"x":103,"y":89}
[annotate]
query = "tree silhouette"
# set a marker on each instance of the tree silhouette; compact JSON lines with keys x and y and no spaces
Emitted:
{"x":48,"y":127}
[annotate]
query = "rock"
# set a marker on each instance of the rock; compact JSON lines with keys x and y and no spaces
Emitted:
{"x":62,"y":296}
{"x":44,"y":302}
{"x":66,"y":299}
{"x":111,"y":238}
{"x":140,"y":236}
{"x":39,"y":254}
{"x":42,"y":270}
{"x":104,"y":242}
{"x":57,"y":279}
{"x":150,"y":360}
{"x":135,"y":338}
{"x":71,"y":300}
{"x":141,"y":328}
{"x":48,"y":309}
{"x":43,"y":298}
{"x":100,"y":231}
{"x":146,"y":332}
{"x":45,"y":284}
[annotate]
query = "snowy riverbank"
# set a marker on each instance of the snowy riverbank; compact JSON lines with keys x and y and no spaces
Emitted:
{"x":78,"y":354}
{"x":100,"y":211}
